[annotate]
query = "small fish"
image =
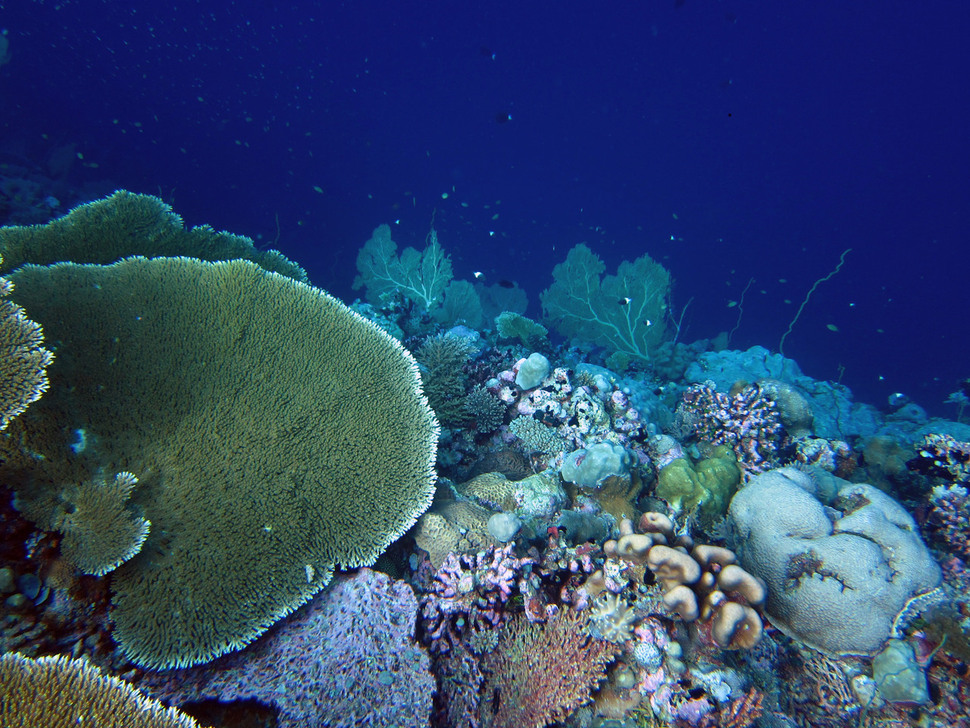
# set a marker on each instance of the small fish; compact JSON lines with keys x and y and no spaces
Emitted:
{"x":506,"y":284}
{"x":503,"y":117}
{"x":625,"y":301}
{"x":478,"y":274}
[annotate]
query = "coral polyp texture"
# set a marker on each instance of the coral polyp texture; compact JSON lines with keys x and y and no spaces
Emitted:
{"x":100,"y":531}
{"x":276,"y":434}
{"x":58,"y":692}
{"x":23,"y":358}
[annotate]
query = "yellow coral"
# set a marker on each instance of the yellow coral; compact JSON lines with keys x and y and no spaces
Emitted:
{"x":23,"y":359}
{"x":57,"y":692}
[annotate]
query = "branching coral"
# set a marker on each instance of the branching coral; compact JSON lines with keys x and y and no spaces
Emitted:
{"x":471,"y":591}
{"x":541,"y":672}
{"x":748,"y":421}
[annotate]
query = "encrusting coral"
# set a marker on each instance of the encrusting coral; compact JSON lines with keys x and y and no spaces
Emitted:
{"x":123,"y":224}
{"x":57,"y":692}
{"x":23,"y":359}
{"x":275,"y":432}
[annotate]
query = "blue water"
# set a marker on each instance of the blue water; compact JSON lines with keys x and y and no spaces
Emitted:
{"x":729,"y":140}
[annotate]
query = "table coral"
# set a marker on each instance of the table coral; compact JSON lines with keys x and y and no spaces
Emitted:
{"x":264,"y":446}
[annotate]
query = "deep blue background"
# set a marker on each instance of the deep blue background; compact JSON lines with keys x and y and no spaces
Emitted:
{"x":729,"y":140}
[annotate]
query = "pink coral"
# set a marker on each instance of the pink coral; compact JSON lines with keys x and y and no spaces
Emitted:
{"x":747,"y":421}
{"x":472,"y":590}
{"x":950,"y":518}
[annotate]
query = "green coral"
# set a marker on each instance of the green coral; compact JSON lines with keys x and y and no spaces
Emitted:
{"x":276,"y":435}
{"x":419,"y":276}
{"x":511,"y":325}
{"x":124,"y":224}
{"x":703,"y":488}
{"x":625,"y":313}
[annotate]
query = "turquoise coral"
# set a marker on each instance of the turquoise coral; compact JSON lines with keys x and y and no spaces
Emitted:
{"x":419,"y":276}
{"x":625,"y":313}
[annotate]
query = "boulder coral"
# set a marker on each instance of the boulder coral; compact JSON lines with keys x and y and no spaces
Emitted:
{"x":275,"y":433}
{"x":838,"y":577}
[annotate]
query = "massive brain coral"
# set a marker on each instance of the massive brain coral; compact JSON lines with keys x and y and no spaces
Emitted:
{"x":837,"y":577}
{"x":275,"y":434}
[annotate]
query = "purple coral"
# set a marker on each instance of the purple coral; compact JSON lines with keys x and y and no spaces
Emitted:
{"x":747,"y":421}
{"x":473,"y":590}
{"x":949,"y":517}
{"x":347,"y":658}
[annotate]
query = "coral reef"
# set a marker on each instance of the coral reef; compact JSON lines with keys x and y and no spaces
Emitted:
{"x":217,"y":440}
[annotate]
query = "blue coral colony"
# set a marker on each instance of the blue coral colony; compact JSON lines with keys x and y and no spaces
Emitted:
{"x":520,"y":530}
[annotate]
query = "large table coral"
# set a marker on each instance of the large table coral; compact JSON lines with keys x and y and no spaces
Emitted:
{"x":274,"y":433}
